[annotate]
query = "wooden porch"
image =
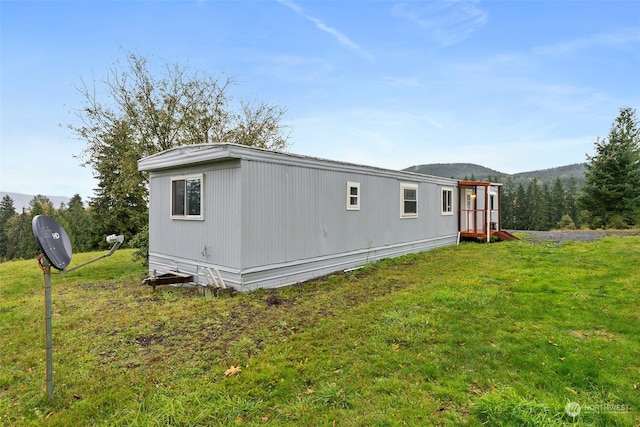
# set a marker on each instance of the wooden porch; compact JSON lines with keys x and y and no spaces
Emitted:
{"x":479,"y":211}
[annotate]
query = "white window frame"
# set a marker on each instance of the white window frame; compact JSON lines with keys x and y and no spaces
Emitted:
{"x":186,"y":215}
{"x":351,"y":206}
{"x":408,"y":186}
{"x":446,"y":210}
{"x":493,"y":201}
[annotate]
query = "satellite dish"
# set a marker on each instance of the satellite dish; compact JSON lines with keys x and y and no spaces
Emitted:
{"x":53,"y":241}
{"x":56,"y":247}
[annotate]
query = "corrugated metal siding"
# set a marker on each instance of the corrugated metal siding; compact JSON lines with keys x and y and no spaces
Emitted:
{"x":278,"y":223}
{"x":214,"y":240}
{"x":269,"y":221}
{"x":288,"y":273}
{"x":293,"y":213}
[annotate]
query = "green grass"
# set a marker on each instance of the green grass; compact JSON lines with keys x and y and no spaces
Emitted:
{"x":502,"y":334}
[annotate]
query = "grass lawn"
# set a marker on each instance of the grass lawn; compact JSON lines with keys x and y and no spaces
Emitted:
{"x":500,"y":334}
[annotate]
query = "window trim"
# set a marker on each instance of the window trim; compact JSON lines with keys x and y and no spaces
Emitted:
{"x":444,"y":211}
{"x":493,"y":201}
{"x":186,"y":216}
{"x":350,"y":206}
{"x":408,"y":186}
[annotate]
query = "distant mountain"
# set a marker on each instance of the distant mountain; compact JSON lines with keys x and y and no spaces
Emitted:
{"x":21,"y":200}
{"x":565,"y":173}
{"x":456,"y":170}
{"x":470,"y":170}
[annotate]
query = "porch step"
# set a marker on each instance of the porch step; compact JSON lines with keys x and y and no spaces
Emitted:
{"x":504,"y":235}
{"x":169,"y":278}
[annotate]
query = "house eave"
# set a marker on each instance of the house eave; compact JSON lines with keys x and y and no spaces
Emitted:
{"x":186,"y":155}
{"x":206,"y":153}
{"x":478,"y":184}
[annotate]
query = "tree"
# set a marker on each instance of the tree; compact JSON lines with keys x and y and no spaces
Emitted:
{"x":14,"y":229}
{"x":571,"y":196}
{"x":536,"y":206}
{"x":75,"y":220}
{"x":520,"y":208}
{"x":175,"y":110}
{"x":508,"y":202}
{"x":120,"y":205}
{"x":612,"y":179}
{"x":7,"y":210}
{"x":557,"y":202}
{"x":545,"y":205}
{"x":21,"y":243}
{"x":142,"y":114}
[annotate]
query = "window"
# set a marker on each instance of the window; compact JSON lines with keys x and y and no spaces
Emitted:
{"x":353,"y":196}
{"x":447,"y":201}
{"x":408,"y":200}
{"x":186,"y":197}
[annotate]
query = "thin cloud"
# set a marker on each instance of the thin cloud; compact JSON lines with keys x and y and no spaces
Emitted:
{"x":619,"y":39}
{"x":295,"y":68}
{"x":447,"y":22}
{"x":337,"y":34}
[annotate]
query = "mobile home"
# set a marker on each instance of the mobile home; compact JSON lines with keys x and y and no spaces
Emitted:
{"x":261,"y":219}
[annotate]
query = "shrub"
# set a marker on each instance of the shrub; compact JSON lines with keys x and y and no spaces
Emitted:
{"x":141,"y":242}
{"x":596,"y":222}
{"x":584,"y":219}
{"x":566,"y":223}
{"x":617,"y":221}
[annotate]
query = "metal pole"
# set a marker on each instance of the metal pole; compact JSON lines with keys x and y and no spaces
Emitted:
{"x":46,"y":269}
{"x":47,"y":317}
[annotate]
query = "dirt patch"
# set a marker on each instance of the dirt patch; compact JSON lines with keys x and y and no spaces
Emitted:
{"x":147,"y":340}
{"x":595,"y":333}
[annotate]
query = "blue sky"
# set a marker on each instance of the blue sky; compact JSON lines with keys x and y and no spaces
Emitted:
{"x":512,"y":85}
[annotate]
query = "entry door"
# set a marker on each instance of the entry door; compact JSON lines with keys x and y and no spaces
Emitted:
{"x":470,"y":215}
{"x":493,"y":211}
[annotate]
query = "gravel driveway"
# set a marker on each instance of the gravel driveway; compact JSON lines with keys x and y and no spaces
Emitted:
{"x":562,"y":236}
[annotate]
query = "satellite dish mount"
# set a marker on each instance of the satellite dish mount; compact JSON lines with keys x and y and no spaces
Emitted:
{"x":56,"y":252}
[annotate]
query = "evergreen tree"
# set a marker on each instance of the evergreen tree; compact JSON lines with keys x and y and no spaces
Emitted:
{"x":571,"y":200}
{"x":557,"y":203}
{"x":530,"y":204}
{"x":27,"y":246}
{"x":14,"y":229}
{"x":508,"y":199}
{"x":536,"y":209}
{"x":545,"y":208}
{"x":120,"y":204}
{"x":612,"y":185}
{"x":520,"y":209}
{"x":75,"y":220}
{"x":7,"y":210}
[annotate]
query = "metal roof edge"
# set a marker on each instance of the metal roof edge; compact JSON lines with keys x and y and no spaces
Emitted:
{"x":467,"y":183}
{"x":202,"y":153}
{"x":184,"y":155}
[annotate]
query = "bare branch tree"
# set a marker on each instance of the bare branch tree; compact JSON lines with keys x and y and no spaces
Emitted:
{"x":175,"y":109}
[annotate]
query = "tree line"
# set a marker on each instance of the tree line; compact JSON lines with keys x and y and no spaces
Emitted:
{"x":540,"y":206}
{"x":609,"y":198}
{"x":80,"y":222}
{"x":140,"y":115}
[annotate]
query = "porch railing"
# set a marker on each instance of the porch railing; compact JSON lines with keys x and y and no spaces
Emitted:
{"x":475,"y":221}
